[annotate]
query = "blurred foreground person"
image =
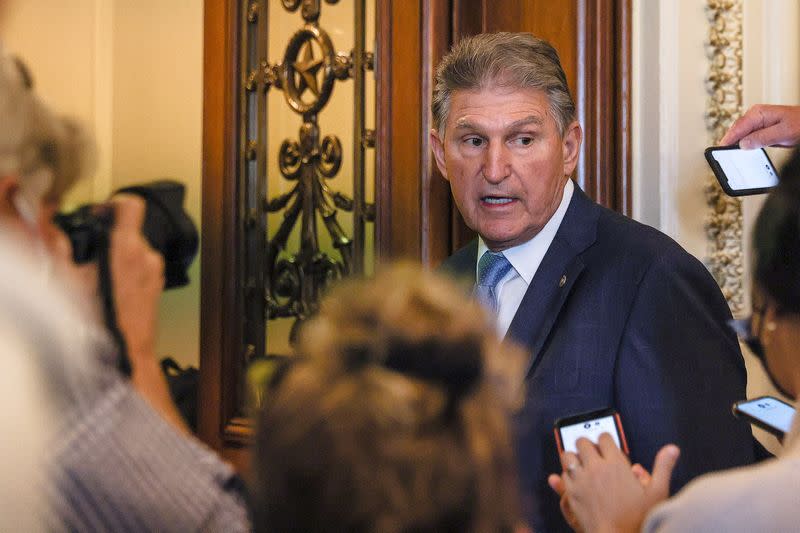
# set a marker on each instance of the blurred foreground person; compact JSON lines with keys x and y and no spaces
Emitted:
{"x":37,"y":346}
{"x":118,"y":455}
{"x":605,"y":494}
{"x":393,"y":418}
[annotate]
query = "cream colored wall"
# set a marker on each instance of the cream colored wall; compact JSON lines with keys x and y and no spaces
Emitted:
{"x":63,"y":64}
{"x":669,"y":99}
{"x":132,"y":71}
{"x":157,"y":129}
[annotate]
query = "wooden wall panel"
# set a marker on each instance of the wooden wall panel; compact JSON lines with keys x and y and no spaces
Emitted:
{"x":436,"y":199}
{"x":400,"y":150}
{"x":413,"y":199}
{"x":220,"y":334}
{"x":556,"y":22}
{"x":592,"y":38}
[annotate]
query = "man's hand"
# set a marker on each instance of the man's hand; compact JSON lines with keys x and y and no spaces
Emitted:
{"x":765,"y":125}
{"x":602,"y":492}
{"x":137,"y":277}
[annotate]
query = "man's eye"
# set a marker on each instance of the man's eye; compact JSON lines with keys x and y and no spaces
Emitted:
{"x":524,"y":141}
{"x":474,"y":141}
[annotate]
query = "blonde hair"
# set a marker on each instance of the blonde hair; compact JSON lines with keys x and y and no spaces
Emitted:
{"x":396,"y":417}
{"x":35,"y":143}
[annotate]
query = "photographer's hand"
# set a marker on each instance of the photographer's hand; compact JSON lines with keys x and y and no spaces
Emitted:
{"x":137,"y":275}
{"x":765,"y":125}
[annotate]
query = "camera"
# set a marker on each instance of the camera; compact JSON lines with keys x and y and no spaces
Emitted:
{"x":167,"y":227}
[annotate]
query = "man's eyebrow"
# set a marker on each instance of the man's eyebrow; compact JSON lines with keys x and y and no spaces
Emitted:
{"x":464,"y":124}
{"x":531,"y":119}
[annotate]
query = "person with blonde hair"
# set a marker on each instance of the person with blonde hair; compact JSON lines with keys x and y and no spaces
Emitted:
{"x":392,"y":418}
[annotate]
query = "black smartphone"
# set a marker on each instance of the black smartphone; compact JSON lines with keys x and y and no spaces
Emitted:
{"x":590,"y":425}
{"x":742,"y":172}
{"x":768,"y":413}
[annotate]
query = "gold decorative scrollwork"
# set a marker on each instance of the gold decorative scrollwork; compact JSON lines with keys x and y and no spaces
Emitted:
{"x":330,"y":159}
{"x":724,"y":88}
{"x":289,"y":159}
{"x":291,"y":5}
{"x":301,"y":75}
{"x":311,"y":8}
{"x":307,"y":74}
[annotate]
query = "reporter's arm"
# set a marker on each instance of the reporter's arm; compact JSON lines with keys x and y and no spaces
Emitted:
{"x":137,"y":275}
{"x":765,"y":125}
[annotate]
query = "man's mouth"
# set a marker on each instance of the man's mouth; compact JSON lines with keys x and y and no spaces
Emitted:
{"x":497,"y":200}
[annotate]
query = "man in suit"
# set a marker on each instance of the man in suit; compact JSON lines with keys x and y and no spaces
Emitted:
{"x":614,"y":313}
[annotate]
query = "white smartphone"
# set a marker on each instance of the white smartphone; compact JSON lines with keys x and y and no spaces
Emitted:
{"x":766,"y":412}
{"x":590,"y":425}
{"x":742,"y":172}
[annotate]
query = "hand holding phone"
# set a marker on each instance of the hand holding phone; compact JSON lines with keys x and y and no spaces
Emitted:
{"x":589,"y":425}
{"x":768,"y":413}
{"x":742,"y":172}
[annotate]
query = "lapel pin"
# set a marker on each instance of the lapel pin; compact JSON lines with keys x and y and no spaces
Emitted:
{"x":562,"y":281}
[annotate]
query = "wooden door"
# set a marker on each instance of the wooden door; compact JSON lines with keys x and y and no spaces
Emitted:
{"x":414,"y":215}
{"x":593,"y":41}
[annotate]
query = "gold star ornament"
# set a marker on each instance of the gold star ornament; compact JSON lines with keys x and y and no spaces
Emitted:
{"x":308,"y":68}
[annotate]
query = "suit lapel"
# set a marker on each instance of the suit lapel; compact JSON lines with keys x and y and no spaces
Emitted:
{"x":463,"y":263}
{"x":553,"y":282}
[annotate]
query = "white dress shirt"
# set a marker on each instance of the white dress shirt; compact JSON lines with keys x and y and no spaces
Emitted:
{"x":525,"y":258}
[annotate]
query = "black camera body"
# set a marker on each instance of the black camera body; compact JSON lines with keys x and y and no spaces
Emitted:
{"x":167,"y":227}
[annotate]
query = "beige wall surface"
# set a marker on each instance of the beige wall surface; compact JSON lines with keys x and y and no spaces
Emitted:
{"x":63,"y":63}
{"x":131,"y":70}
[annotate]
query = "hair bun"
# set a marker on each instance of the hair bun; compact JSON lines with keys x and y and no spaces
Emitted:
{"x":456,"y":365}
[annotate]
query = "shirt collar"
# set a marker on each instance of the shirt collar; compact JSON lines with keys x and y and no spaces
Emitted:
{"x":526,"y":257}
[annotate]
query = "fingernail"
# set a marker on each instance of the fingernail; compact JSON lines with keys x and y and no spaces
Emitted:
{"x":673,"y":451}
{"x":745,"y":144}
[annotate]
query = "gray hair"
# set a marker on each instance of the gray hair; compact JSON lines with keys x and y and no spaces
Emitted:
{"x":36,"y":144}
{"x":503,"y":59}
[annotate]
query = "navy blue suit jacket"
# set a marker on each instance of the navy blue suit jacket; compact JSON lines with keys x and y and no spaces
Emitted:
{"x":638,"y":325}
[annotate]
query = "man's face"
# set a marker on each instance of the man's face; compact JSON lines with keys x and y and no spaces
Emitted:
{"x":505,"y":160}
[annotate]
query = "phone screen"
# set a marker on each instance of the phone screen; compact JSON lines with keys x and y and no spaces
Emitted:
{"x":771,"y":411}
{"x":744,"y":170}
{"x":591,"y":429}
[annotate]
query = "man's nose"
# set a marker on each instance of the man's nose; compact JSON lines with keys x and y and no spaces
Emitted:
{"x":497,"y":163}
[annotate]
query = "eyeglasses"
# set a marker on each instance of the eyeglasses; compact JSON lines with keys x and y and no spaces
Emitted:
{"x":744,"y":329}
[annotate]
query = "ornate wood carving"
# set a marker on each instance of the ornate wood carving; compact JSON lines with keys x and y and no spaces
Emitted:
{"x":724,"y":86}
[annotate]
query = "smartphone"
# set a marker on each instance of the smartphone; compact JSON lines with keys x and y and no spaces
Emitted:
{"x":590,"y":425}
{"x":742,"y":172}
{"x":766,"y":412}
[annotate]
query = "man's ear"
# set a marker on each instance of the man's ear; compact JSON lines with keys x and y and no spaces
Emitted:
{"x":571,"y":145}
{"x":437,"y":145}
{"x":9,"y":188}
